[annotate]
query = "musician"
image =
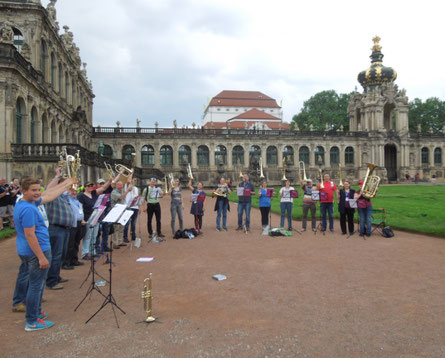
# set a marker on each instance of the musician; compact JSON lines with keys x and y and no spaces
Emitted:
{"x":76,"y":233}
{"x":222,"y":204}
{"x":176,"y":205}
{"x":327,"y":206}
{"x":309,"y":204}
{"x":34,"y":250}
{"x":198,"y":207}
{"x":151,"y":205}
{"x":245,"y":202}
{"x":365,"y":212}
{"x":131,"y":196}
{"x":6,"y":210}
{"x":344,"y":208}
{"x":118,"y":197}
{"x":264,"y":204}
{"x":286,"y":203}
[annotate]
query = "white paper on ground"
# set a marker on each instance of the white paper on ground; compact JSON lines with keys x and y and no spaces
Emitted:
{"x":145,"y":259}
{"x":219,"y":277}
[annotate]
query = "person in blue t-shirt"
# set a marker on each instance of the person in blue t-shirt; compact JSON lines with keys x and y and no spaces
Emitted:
{"x":264,"y":204}
{"x":34,"y":249}
{"x":245,"y":202}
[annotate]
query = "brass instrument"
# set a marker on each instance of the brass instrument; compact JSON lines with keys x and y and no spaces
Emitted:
{"x":69,"y":165}
{"x":165,"y":185}
{"x":189,"y":172}
{"x":261,"y":169}
{"x":300,"y":167}
{"x":241,"y":172}
{"x":221,"y":191}
{"x":340,"y":184}
{"x":124,"y":172}
{"x":284,"y":169}
{"x":76,"y":171}
{"x":147,"y":297}
{"x":371,"y":183}
{"x":172,"y":180}
{"x":110,"y":170}
{"x":321,"y":179}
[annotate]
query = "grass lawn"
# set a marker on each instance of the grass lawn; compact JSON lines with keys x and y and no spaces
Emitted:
{"x":418,"y":208}
{"x":7,"y":232}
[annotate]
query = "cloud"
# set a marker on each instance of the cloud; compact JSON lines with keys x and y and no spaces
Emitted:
{"x":159,"y":60}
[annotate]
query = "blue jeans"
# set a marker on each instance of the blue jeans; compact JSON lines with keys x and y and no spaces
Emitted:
{"x":221,"y":209}
{"x":244,"y":207}
{"x":365,"y":219}
{"x":87,"y":245}
{"x":58,"y":237}
{"x":329,"y":208}
{"x":30,"y":285}
{"x":284,"y":206}
{"x":133,"y":220}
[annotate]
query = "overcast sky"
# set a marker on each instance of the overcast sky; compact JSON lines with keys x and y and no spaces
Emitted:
{"x":159,"y":60}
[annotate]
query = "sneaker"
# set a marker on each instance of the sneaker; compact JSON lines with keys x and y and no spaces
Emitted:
{"x":224,"y":228}
{"x":78,"y":263}
{"x":331,"y":230}
{"x":150,"y":236}
{"x":87,"y":257}
{"x":56,"y":287}
{"x":123,"y":244}
{"x":314,"y":229}
{"x":303,"y":230}
{"x":67,"y":267}
{"x":116,"y":247}
{"x":155,"y":240}
{"x":107,"y":249}
{"x":62,"y":280}
{"x":161,"y":235}
{"x":21,"y":307}
{"x":239,"y":228}
{"x":126,"y":240}
{"x":43,"y":316}
{"x":361,"y":235}
{"x":218,"y":229}
{"x":38,"y":325}
{"x":289,"y":229}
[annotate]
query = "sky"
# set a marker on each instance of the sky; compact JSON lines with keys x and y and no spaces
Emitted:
{"x":160,"y":60}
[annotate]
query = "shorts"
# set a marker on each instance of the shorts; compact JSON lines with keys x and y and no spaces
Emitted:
{"x":6,"y":211}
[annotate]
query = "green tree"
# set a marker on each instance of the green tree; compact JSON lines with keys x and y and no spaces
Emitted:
{"x":326,"y":107}
{"x":429,"y":114}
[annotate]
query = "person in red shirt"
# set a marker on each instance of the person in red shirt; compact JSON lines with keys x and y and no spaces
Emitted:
{"x":327,"y":204}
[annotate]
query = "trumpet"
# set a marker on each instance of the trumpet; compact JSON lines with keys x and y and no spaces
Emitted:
{"x":321,"y":179}
{"x":340,"y":184}
{"x":189,"y":171}
{"x":301,"y":166}
{"x":261,"y":169}
{"x":284,"y":169}
{"x":147,"y":298}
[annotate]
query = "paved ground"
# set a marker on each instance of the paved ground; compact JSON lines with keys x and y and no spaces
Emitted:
{"x":302,"y":296}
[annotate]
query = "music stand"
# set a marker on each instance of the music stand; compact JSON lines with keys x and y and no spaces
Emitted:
{"x":118,"y":215}
{"x":270,"y":194}
{"x":316,"y":197}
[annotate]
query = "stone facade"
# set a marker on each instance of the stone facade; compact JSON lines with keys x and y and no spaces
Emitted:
{"x":46,"y":101}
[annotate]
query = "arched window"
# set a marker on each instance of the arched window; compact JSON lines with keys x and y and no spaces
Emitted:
{"x":303,"y":154}
{"x":45,"y":137}
{"x":425,"y":155}
{"x":349,"y":155}
{"x":319,"y":155}
{"x":53,"y":70}
{"x":288,"y":153}
{"x":203,"y":155}
{"x":43,"y":56}
{"x":166,"y":155}
{"x":67,"y":85}
{"x":60,"y":74}
{"x":272,"y":155}
{"x":220,"y":155}
{"x":18,"y":121}
{"x":334,"y":155}
{"x":238,"y":155}
{"x":18,"y":39}
{"x":53,"y":131}
{"x":108,"y":151}
{"x":33,"y":123}
{"x":438,"y":156}
{"x":147,"y":155}
{"x":185,"y":155}
{"x":254,"y":153}
{"x":127,"y":152}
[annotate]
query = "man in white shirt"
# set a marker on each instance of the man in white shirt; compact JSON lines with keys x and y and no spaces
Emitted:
{"x":129,"y":199}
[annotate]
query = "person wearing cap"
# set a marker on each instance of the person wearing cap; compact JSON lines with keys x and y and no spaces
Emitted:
{"x":344,"y":208}
{"x":365,"y":211}
{"x":88,"y":199}
{"x":308,"y":204}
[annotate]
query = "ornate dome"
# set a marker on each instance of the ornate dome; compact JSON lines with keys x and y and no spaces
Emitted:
{"x":377,"y":74}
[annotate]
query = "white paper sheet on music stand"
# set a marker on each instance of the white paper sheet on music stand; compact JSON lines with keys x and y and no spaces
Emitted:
{"x":115,"y":213}
{"x":240,"y":191}
{"x":145,"y":259}
{"x":125,"y":217}
{"x":194,"y":197}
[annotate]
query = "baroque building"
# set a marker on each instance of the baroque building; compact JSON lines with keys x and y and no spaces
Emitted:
{"x":46,"y":102}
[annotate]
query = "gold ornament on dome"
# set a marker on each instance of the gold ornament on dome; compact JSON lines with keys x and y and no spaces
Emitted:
{"x":376,"y":46}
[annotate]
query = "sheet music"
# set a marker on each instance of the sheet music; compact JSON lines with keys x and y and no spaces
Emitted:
{"x":115,"y":213}
{"x":240,"y":191}
{"x":156,"y":193}
{"x":98,"y":201}
{"x":286,"y":193}
{"x":194,"y":197}
{"x":125,"y":217}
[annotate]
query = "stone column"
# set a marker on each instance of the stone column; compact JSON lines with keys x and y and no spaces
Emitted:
{"x":212,"y":156}
{"x":229,"y":156}
{"x":175,"y":148}
{"x":194,"y":154}
{"x":246,"y":155}
{"x":342,"y":156}
{"x":327,"y":157}
{"x":431,"y":157}
{"x":311,"y":147}
{"x":157,"y":153}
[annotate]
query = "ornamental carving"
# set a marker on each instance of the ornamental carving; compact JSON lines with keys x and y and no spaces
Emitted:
{"x":26,"y":51}
{"x":6,"y":33}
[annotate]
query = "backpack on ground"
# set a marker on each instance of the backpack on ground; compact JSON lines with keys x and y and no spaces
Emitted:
{"x":387,"y":232}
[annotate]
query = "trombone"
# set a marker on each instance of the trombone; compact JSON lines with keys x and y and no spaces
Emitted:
{"x":301,"y":167}
{"x":189,"y":171}
{"x":284,"y":169}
